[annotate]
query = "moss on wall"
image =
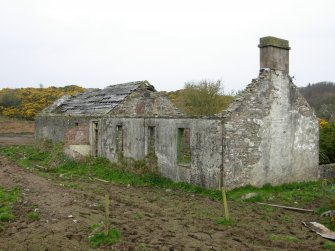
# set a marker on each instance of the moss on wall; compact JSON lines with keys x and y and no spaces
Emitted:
{"x":273,"y":41}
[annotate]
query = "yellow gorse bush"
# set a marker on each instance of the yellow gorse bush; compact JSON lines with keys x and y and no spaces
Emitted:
{"x":323,"y":123}
{"x":28,"y":102}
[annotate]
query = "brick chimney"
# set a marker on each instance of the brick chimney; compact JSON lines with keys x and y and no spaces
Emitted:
{"x":274,"y":53}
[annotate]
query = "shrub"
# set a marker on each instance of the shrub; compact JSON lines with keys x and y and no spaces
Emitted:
{"x":327,"y":143}
{"x":101,"y":238}
{"x":201,"y":98}
{"x":28,"y":102}
{"x":8,"y":98}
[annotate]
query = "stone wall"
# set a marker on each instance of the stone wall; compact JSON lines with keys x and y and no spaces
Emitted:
{"x":54,"y":127}
{"x":270,"y":134}
{"x":327,"y":171}
{"x":77,"y":135}
{"x":205,"y":146}
{"x":77,"y":140}
{"x":132,"y":141}
{"x":146,"y":103}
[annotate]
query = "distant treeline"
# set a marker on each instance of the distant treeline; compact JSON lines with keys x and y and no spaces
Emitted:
{"x":200,"y":98}
{"x":28,"y":102}
{"x":321,"y":96}
{"x":327,"y":142}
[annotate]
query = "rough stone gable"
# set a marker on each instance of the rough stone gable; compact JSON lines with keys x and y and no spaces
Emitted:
{"x":269,"y":134}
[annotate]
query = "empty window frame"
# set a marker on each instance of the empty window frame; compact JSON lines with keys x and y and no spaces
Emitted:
{"x":95,"y":139}
{"x":183,"y":146}
{"x":119,"y":138}
{"x":151,"y":140}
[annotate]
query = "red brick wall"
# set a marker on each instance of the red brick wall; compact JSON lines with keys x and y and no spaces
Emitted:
{"x":78,"y":135}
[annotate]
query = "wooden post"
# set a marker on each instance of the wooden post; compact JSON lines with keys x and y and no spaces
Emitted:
{"x":324,"y":188}
{"x":219,"y":182}
{"x":225,"y":204}
{"x":106,"y":213}
{"x":224,"y":198}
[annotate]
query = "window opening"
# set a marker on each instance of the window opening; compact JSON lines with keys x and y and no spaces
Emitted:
{"x":183,"y":146}
{"x":95,"y":139}
{"x":151,"y":140}
{"x":119,"y":138}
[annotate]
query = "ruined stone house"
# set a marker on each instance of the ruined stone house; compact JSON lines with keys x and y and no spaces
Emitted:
{"x":269,"y":134}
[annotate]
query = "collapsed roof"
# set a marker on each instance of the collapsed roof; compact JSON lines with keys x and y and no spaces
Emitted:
{"x":97,"y":101}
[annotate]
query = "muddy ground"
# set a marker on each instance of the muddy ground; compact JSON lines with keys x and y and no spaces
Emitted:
{"x":13,"y":131}
{"x":148,"y":218}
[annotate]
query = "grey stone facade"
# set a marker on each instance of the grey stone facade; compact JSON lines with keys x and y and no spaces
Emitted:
{"x":269,"y":134}
{"x":205,"y":145}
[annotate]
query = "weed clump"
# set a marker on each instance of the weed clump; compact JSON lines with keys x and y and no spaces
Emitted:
{"x":224,"y":221}
{"x":33,"y":216}
{"x":328,"y":245}
{"x":7,"y":200}
{"x":99,"y":237}
{"x":286,"y":238}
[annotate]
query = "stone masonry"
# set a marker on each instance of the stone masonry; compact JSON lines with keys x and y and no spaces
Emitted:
{"x":270,"y":134}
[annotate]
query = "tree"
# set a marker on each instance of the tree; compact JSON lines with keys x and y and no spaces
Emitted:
{"x":321,"y":96}
{"x":327,"y":143}
{"x":201,"y":98}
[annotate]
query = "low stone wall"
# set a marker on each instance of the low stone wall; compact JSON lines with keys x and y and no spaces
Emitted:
{"x":327,"y":171}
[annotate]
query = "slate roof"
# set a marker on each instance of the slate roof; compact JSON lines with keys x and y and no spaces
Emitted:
{"x":99,"y":101}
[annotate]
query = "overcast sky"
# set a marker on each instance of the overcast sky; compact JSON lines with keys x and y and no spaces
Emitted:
{"x":103,"y":42}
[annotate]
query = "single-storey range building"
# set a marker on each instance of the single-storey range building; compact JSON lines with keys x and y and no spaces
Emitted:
{"x":269,"y":134}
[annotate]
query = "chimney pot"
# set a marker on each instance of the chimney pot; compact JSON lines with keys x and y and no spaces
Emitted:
{"x":274,"y":53}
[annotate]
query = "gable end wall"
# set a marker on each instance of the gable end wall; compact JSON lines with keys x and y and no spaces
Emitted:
{"x":271,"y":135}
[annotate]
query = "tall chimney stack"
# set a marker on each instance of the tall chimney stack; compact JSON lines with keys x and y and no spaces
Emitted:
{"x":274,"y":53}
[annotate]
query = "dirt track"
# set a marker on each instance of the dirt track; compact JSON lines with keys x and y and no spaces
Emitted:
{"x":9,"y":139}
{"x":149,"y":218}
{"x":16,"y":132}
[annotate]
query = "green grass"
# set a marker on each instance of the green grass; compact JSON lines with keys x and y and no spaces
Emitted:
{"x":137,"y":216}
{"x":33,"y":216}
{"x":100,"y":238}
{"x":49,"y":159}
{"x":286,"y":238}
{"x":224,"y":221}
{"x":287,"y":218}
{"x":142,"y":246}
{"x":7,"y":201}
{"x":328,"y":245}
{"x":299,"y":193}
{"x":30,"y":156}
{"x":72,"y":185}
{"x":268,"y":209}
